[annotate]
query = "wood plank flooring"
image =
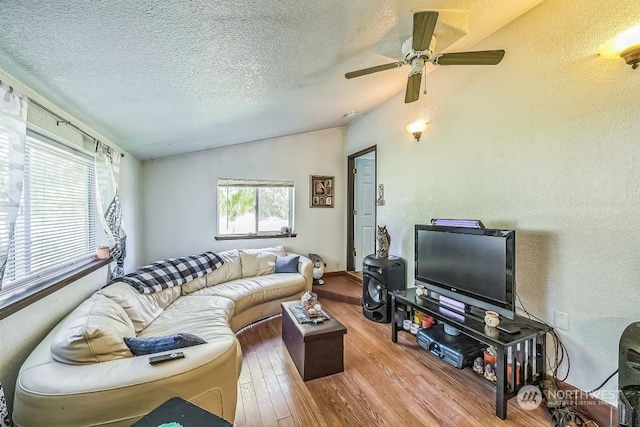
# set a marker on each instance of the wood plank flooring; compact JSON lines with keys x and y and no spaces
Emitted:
{"x":384,"y":384}
{"x":340,"y":286}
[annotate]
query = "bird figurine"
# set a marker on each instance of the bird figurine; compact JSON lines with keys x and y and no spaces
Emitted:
{"x":478,"y":365}
{"x":489,"y":372}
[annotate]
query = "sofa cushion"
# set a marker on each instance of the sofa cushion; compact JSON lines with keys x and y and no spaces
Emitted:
{"x":251,"y":291}
{"x":230,"y":270}
{"x":93,"y":332}
{"x":142,"y":309}
{"x":258,"y":262}
{"x":150,"y":345}
{"x":287,"y":264}
{"x":206,"y":317}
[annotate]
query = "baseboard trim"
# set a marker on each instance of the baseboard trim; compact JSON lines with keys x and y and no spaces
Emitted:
{"x":334,"y":273}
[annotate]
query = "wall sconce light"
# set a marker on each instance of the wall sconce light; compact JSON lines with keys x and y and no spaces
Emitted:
{"x":625,"y":45}
{"x":416,"y":129}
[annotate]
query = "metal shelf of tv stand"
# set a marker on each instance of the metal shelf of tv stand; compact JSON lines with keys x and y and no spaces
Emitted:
{"x":475,"y":328}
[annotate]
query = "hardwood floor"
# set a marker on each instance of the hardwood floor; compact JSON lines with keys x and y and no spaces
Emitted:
{"x":384,"y":384}
{"x":341,"y":286}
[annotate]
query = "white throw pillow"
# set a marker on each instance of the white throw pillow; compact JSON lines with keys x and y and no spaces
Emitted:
{"x":258,"y":262}
{"x":142,"y":309}
{"x":230,"y":270}
{"x":93,"y":332}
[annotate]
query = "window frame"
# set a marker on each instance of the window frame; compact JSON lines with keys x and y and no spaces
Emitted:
{"x":15,"y":302}
{"x":256,"y":184}
{"x":36,"y":285}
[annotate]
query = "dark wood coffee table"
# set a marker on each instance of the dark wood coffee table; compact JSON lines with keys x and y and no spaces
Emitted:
{"x":317,"y":350}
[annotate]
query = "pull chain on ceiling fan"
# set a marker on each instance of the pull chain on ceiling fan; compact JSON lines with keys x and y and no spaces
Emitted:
{"x":425,"y":84}
{"x":418,"y":50}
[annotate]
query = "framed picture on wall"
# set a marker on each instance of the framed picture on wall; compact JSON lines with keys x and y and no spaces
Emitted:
{"x":321,"y":191}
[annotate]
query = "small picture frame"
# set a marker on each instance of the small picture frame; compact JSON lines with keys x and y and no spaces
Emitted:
{"x":321,"y":191}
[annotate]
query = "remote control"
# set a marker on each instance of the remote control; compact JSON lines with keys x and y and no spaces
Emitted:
{"x":508,"y":328}
{"x":165,"y":357}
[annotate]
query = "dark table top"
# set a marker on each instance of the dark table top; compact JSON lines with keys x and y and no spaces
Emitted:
{"x":180,"y":411}
{"x":311,"y":331}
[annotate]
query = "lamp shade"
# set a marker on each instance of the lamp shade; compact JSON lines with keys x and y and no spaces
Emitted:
{"x":416,"y":127}
{"x":612,"y":48}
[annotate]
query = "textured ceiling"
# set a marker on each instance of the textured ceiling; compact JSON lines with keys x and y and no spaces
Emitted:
{"x":168,"y":77}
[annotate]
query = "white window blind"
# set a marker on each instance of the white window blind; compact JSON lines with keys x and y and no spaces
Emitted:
{"x":58,"y":224}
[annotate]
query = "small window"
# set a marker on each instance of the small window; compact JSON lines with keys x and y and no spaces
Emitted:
{"x":250,"y":207}
{"x":58,"y":224}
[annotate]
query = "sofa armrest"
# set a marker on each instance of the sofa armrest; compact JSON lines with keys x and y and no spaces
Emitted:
{"x":125,"y":389}
{"x":305,"y":267}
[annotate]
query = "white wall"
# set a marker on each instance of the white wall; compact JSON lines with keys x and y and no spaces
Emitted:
{"x":545,"y":143}
{"x":23,"y":330}
{"x":180,"y":196}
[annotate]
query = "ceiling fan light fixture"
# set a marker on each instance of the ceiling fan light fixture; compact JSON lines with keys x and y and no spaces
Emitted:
{"x":625,"y":45}
{"x":419,"y":49}
{"x":416,"y":128}
{"x":417,"y":65}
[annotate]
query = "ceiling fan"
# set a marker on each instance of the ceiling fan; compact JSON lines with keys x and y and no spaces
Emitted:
{"x":418,"y":50}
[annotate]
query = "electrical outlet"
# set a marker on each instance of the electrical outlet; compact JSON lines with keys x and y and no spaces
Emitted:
{"x":561,"y":320}
{"x":338,"y":265}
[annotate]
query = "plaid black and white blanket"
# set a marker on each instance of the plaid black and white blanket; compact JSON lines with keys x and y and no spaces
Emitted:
{"x":171,"y":272}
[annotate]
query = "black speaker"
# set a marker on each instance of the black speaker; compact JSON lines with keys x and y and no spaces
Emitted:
{"x":379,"y":277}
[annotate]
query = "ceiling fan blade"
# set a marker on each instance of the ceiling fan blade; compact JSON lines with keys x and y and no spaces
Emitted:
{"x":423,"y":25}
{"x":375,"y":69}
{"x":483,"y":57}
{"x":413,"y":88}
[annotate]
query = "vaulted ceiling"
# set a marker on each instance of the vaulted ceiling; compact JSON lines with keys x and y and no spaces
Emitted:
{"x":167,"y":77}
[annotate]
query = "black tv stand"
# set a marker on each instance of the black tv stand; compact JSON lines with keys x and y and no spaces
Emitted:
{"x":527,"y":346}
{"x":508,"y":327}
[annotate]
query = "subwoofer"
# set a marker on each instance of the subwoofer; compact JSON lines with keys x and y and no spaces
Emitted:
{"x":380,"y":276}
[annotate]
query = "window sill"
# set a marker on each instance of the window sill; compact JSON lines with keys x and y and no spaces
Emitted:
{"x":48,"y":286}
{"x":254,"y":236}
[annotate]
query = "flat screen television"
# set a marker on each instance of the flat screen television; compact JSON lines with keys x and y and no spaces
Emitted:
{"x":476,"y":266}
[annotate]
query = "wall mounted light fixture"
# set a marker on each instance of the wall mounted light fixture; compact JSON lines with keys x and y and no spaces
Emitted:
{"x":625,"y":45}
{"x":416,"y":129}
{"x":469,"y":223}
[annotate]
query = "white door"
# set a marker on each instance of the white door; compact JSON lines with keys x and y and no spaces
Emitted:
{"x":364,"y":226}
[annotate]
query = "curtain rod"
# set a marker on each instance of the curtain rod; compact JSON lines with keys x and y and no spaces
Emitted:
{"x":64,"y":121}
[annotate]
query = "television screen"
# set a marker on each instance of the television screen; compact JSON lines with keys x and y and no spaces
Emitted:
{"x":475,"y":266}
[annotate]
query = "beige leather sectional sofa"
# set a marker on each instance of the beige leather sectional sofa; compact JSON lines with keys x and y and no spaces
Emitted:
{"x":83,"y":374}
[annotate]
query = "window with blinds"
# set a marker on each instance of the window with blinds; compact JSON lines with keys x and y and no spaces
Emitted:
{"x":58,"y":225}
{"x":251,"y":207}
